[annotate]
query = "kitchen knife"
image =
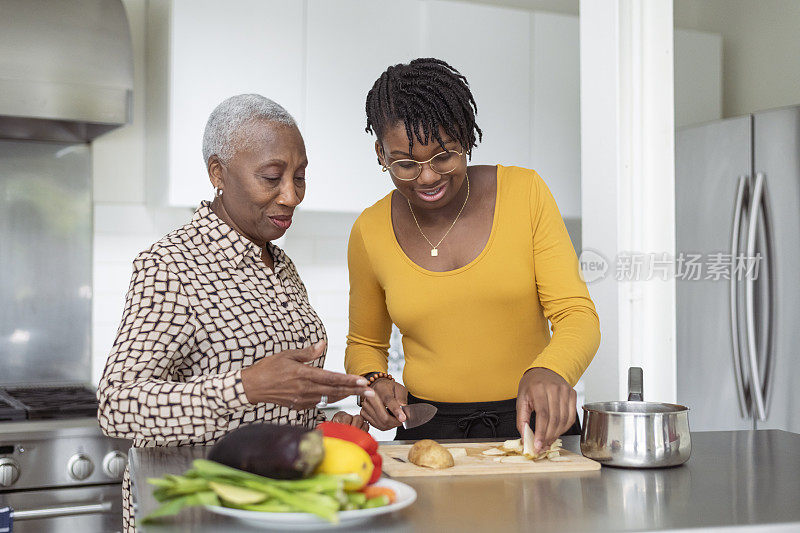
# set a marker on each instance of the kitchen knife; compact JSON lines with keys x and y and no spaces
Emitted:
{"x":418,"y":414}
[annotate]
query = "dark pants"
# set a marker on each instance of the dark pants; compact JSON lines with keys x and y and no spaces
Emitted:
{"x":471,"y":420}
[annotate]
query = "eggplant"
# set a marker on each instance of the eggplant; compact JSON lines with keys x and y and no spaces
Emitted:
{"x":271,"y":450}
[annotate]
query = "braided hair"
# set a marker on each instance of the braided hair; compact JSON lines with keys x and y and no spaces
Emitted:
{"x":424,"y":94}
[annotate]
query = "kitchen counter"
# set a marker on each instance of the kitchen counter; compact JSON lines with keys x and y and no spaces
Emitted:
{"x":749,"y":479}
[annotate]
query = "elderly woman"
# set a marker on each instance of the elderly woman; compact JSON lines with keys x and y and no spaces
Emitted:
{"x":217,"y":329}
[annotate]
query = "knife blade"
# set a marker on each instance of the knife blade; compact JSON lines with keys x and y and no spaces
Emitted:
{"x":418,"y":414}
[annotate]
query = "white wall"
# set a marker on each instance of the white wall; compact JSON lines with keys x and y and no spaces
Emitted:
{"x":698,"y":77}
{"x":761,"y":46}
{"x":599,"y":196}
{"x":627,"y":131}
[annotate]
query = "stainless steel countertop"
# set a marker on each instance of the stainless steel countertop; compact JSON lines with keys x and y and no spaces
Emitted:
{"x":749,"y":479}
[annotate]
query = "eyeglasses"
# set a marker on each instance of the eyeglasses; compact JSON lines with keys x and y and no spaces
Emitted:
{"x":410,"y":169}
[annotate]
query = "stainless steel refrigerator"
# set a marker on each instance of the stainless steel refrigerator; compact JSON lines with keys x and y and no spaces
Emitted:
{"x":738,"y":204}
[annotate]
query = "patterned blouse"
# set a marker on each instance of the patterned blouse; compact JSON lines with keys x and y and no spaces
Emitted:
{"x":201,"y":306}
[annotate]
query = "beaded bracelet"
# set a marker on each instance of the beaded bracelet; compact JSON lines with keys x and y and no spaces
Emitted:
{"x":375,"y":376}
{"x":372,"y":377}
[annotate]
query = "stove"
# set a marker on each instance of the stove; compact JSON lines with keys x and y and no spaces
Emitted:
{"x":10,"y":409}
{"x":47,"y":402}
{"x":57,"y":470}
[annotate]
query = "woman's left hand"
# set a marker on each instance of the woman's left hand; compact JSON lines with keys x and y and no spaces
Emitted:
{"x":547,"y":394}
{"x":354,"y":420}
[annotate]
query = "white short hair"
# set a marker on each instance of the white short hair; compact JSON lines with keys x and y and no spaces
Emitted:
{"x":231,"y":117}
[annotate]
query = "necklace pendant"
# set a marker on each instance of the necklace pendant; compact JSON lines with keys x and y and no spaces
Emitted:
{"x":434,"y":252}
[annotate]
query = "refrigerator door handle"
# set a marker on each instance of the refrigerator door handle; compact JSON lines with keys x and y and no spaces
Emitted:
{"x":749,"y":290}
{"x":767,"y":311}
{"x":738,"y":206}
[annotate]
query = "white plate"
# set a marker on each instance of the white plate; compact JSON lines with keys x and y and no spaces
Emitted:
{"x":405,"y":497}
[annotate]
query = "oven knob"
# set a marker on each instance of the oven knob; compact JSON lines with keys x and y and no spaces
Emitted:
{"x":9,"y":471}
{"x":80,"y":467}
{"x":114,"y":464}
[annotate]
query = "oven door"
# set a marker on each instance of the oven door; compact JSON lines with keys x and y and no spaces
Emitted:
{"x":96,"y":508}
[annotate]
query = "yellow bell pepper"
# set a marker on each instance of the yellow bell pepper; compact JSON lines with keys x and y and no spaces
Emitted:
{"x":345,"y":457}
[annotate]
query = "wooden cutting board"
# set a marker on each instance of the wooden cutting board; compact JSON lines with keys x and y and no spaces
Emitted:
{"x":475,"y":464}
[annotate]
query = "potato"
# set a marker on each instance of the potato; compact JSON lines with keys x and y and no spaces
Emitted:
{"x":514,"y":459}
{"x":431,"y":454}
{"x":527,"y":442}
{"x":457,"y":452}
{"x":514,"y":445}
{"x":493,"y":451}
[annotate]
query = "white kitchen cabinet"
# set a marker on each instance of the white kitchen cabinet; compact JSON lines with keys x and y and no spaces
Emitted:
{"x":491,"y":47}
{"x":199,"y":53}
{"x":349,"y":44}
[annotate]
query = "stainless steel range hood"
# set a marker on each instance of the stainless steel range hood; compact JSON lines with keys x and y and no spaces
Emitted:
{"x":66,"y":69}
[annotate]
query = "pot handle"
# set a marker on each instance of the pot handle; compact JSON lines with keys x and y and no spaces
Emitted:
{"x":635,"y":384}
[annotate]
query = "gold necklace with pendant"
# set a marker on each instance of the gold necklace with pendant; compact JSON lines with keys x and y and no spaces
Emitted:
{"x":435,"y":247}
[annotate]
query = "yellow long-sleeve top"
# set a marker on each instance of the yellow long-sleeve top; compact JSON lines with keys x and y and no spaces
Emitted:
{"x":469,"y":334}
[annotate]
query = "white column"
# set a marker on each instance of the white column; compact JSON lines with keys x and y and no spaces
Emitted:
{"x":628,"y":184}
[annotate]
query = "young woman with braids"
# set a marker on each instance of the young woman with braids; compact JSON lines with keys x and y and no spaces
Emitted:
{"x":471,"y":262}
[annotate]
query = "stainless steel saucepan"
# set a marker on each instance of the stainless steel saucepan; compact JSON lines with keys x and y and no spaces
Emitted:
{"x":636,"y":434}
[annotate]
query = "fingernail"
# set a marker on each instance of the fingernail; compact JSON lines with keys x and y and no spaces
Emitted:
{"x":537,"y":445}
{"x":402,"y":417}
{"x":369,"y":393}
{"x":361,"y":382}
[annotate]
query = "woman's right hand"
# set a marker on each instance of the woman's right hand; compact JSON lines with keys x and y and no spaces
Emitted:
{"x":384,"y":410}
{"x":285,"y":379}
